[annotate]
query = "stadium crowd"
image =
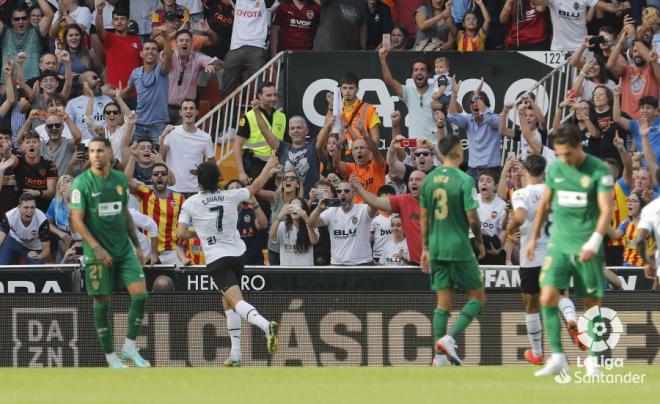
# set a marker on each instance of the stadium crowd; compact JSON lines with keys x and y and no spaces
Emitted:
{"x":133,"y":74}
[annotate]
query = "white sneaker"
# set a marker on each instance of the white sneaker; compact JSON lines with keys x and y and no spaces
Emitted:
{"x":555,"y":365}
{"x":591,"y":364}
{"x":440,"y":360}
{"x":447,"y":344}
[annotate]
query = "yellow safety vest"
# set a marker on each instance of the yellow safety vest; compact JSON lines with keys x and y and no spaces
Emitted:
{"x":256,"y":142}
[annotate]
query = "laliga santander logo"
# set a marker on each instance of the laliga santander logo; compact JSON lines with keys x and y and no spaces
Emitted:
{"x":563,"y":377}
{"x":600,"y":328}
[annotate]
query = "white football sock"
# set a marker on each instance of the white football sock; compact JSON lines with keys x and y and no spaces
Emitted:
{"x":129,"y":344}
{"x":249,"y":313}
{"x":567,"y":309}
{"x":535,"y":332}
{"x":234,"y":329}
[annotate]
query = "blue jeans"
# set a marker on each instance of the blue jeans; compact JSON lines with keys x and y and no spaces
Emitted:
{"x":11,"y":250}
{"x":150,"y":131}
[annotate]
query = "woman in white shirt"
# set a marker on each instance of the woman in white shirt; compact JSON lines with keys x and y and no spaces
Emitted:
{"x":296,"y":236}
{"x":396,"y":250}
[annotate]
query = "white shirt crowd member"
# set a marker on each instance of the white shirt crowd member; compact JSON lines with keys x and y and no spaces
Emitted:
{"x":492,"y":215}
{"x":186,"y":151}
{"x":528,"y":198}
{"x":569,"y":23}
{"x":76,"y":107}
{"x":144,"y":223}
{"x":214,"y":216}
{"x":29,"y":236}
{"x":251,"y":22}
{"x":349,"y":235}
{"x":287,"y":240}
{"x":394,"y":252}
{"x":380,"y":230}
{"x":650,"y":221}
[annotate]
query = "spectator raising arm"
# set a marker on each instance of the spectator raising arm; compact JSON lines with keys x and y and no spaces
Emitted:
{"x":374,"y":202}
{"x":624,"y":123}
{"x":269,"y":136}
{"x":651,"y":58}
{"x":626,"y":158}
{"x":98,"y":22}
{"x":504,"y":131}
{"x":324,"y":134}
{"x":47,"y":20}
{"x":10,"y":91}
{"x":395,"y":165}
{"x":271,"y":168}
{"x":616,"y":65}
{"x":649,"y":155}
{"x":391,"y":83}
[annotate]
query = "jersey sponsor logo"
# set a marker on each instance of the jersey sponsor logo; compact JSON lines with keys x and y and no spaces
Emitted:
{"x":109,"y":208}
{"x":384,"y":232}
{"x":571,"y":199}
{"x":75,"y":196}
{"x":248,"y":13}
{"x":344,"y":234}
{"x":559,"y":180}
{"x":119,"y":190}
{"x":296,"y":23}
{"x":95,"y":194}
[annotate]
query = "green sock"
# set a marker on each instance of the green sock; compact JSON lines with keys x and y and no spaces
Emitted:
{"x":591,"y":331}
{"x":553,"y":326}
{"x":471,"y":309}
{"x":103,"y":326}
{"x":440,"y":319}
{"x":135,"y":315}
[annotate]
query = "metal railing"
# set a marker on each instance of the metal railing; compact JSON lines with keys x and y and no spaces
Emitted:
{"x":221,"y":122}
{"x":548,"y":92}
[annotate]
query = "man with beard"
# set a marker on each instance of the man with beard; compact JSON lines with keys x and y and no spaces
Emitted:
{"x":34,"y":174}
{"x":23,"y":37}
{"x":162,"y":205}
{"x":300,"y":156}
{"x":186,"y":67}
{"x":416,"y":94}
{"x":151,"y":83}
{"x":349,"y":226}
{"x":369,"y":165}
{"x":422,"y":155}
{"x":406,"y":205}
{"x":76,"y":107}
{"x":482,"y":127}
{"x":59,"y":149}
{"x":644,"y":71}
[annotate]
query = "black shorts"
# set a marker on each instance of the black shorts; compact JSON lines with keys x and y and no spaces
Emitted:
{"x":226,"y":272}
{"x":529,"y":280}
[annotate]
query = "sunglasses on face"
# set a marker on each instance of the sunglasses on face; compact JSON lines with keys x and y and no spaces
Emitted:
{"x":53,"y":125}
{"x":112,"y":112}
{"x":345,"y":191}
{"x":290,"y":178}
{"x":422,"y":154}
{"x":159,"y":174}
{"x":20,"y":18}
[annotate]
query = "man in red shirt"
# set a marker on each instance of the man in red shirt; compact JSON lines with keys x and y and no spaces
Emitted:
{"x":406,"y":205}
{"x":122,"y":51}
{"x":294,"y":25}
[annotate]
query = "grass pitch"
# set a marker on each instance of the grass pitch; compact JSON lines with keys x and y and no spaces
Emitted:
{"x":484,"y":384}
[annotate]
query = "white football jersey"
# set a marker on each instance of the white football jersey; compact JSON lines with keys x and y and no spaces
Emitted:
{"x":214,"y":216}
{"x":29,"y":236}
{"x":349,"y":235}
{"x":529,"y":198}
{"x":491,"y":215}
{"x":380,"y":230}
{"x":393,"y":252}
{"x":650,"y":220}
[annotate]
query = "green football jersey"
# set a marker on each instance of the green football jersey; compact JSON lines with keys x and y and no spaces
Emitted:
{"x":575,"y":201}
{"x":104,"y":201}
{"x":447,"y":193}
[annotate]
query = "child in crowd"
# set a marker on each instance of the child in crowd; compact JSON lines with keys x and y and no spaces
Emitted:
{"x":472,"y":38}
{"x":441,"y":82}
{"x":395,"y":251}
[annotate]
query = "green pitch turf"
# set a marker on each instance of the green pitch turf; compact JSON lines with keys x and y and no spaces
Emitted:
{"x":485,"y":384}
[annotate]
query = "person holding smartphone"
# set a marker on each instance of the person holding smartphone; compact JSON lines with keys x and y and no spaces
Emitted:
{"x":349,"y":226}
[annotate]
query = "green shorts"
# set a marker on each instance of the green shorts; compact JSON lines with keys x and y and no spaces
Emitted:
{"x":456,"y":275}
{"x":588,"y":277}
{"x":103,"y":281}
